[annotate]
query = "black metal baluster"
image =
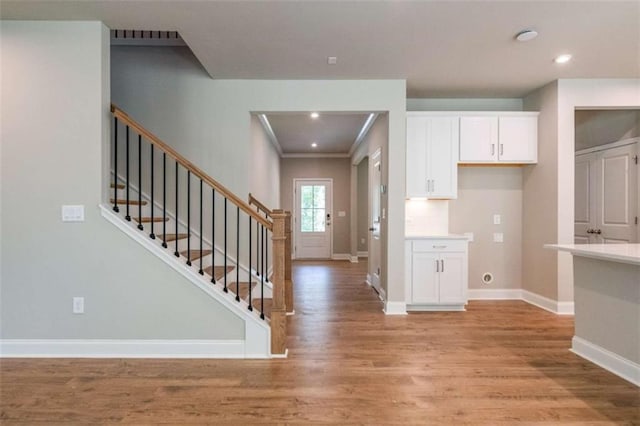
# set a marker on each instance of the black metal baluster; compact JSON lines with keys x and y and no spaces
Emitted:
{"x":262,"y":274}
{"x":189,"y":218}
{"x":152,"y":235}
{"x":250,"y":277}
{"x":225,"y":245}
{"x":140,"y":227}
{"x":213,"y":235}
{"x":127,"y":216}
{"x":237,"y":253}
{"x":176,"y":253}
{"x":115,"y":164}
{"x":257,"y":248}
{"x":164,"y":200}
{"x":201,"y":271}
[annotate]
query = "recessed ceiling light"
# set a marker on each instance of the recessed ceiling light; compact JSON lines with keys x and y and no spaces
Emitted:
{"x":526,"y":35}
{"x":332,"y":60}
{"x":314,"y":115}
{"x":314,"y":145}
{"x":562,"y":59}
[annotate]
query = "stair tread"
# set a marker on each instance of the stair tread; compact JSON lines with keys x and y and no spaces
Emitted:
{"x":268,"y":305}
{"x":172,"y":237}
{"x":195,"y":254}
{"x":149,"y":219}
{"x":132,"y":202}
{"x":119,"y":186}
{"x":217,"y":272}
{"x":243,"y":288}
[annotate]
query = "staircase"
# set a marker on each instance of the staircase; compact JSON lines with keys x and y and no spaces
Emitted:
{"x":239,"y":252}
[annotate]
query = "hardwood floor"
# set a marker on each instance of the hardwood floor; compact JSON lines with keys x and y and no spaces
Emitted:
{"x":498,"y":363}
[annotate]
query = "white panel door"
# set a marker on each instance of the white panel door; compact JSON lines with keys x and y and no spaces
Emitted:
{"x":518,"y":139}
{"x":424,"y":277}
{"x":585,"y":206}
{"x":417,"y":157}
{"x":478,"y":139}
{"x":452,"y":271}
{"x":442,"y":157}
{"x":617,"y":192}
{"x":375,"y":243}
{"x":313,"y":218}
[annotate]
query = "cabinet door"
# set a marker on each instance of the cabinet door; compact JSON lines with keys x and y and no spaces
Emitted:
{"x":453,"y":280}
{"x":518,"y":139}
{"x":442,"y":156}
{"x":416,"y":156}
{"x":478,"y":139}
{"x":424,"y":278}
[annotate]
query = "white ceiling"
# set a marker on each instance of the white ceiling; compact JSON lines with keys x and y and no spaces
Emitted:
{"x":334,"y":133}
{"x":442,"y":48}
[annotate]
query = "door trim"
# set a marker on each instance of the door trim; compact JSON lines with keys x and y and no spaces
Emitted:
{"x":294,"y":214}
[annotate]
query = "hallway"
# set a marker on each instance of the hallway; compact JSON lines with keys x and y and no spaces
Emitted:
{"x":498,"y":363}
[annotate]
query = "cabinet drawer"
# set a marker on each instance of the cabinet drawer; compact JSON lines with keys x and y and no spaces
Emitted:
{"x":439,"y":245}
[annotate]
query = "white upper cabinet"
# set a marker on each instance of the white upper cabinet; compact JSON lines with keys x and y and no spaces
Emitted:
{"x":499,"y":138}
{"x":432,"y":156}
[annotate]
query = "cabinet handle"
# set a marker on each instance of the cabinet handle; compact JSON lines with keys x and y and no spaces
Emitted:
{"x":493,"y":149}
{"x":501,"y":149}
{"x":442,"y":268}
{"x":437,"y":266}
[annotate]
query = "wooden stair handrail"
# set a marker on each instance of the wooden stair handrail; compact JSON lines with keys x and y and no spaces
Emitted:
{"x":253,"y":200}
{"x":153,"y":139}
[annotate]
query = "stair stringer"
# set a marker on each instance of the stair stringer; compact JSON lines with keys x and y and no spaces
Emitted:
{"x":218,"y":253}
{"x":257,"y":342}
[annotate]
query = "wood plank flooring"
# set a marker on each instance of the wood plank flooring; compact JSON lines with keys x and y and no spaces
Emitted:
{"x":499,"y":363}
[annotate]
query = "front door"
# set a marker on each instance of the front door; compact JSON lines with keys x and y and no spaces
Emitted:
{"x":375,"y":246}
{"x":313,"y":218}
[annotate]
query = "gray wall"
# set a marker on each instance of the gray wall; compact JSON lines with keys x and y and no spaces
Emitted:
{"x":209,"y":120}
{"x":599,"y":127}
{"x":264,"y":167}
{"x":55,"y":100}
{"x":483,"y":192}
{"x":337,"y":169}
{"x":363,"y":205}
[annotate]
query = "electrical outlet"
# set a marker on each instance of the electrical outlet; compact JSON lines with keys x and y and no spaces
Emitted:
{"x":497,"y":219}
{"x":498,"y":237}
{"x":342,"y":213}
{"x":78,"y":305}
{"x":361,"y":240}
{"x":73,"y":213}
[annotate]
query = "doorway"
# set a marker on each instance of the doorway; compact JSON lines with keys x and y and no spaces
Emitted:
{"x":313,"y":234}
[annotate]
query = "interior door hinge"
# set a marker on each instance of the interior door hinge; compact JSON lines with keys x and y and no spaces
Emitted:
{"x":636,"y":220}
{"x":635,"y":159}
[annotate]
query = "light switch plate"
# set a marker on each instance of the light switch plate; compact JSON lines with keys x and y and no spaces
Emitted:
{"x":497,"y":219}
{"x":498,"y":237}
{"x":78,"y":305}
{"x":342,"y":213}
{"x":73,"y":213}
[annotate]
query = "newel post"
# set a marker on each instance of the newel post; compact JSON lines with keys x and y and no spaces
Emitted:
{"x":288,"y":283}
{"x":278,"y":312}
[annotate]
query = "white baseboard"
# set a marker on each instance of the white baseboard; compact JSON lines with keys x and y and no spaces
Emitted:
{"x":395,"y":308}
{"x":340,"y":256}
{"x":608,"y":360}
{"x":436,"y":308}
{"x":368,"y":279}
{"x":363,"y":254}
{"x":107,"y":348}
{"x":495,"y":294}
{"x":353,"y":259}
{"x":559,"y":308}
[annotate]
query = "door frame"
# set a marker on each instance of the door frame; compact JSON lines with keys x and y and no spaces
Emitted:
{"x":294,"y":214}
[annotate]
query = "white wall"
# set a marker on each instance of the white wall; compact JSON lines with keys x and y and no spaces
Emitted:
{"x":55,"y":109}
{"x":464,"y":104}
{"x":264,"y":167}
{"x":209,"y":120}
{"x":599,"y":127}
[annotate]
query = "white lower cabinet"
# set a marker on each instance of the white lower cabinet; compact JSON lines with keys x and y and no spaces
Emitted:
{"x":436,"y":273}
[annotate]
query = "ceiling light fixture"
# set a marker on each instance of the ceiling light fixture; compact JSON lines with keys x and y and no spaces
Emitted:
{"x":314,"y":115}
{"x":562,"y":59}
{"x":314,"y":145}
{"x":526,"y":35}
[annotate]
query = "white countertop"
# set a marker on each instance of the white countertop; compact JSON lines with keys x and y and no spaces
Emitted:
{"x":436,"y":237}
{"x":624,"y":253}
